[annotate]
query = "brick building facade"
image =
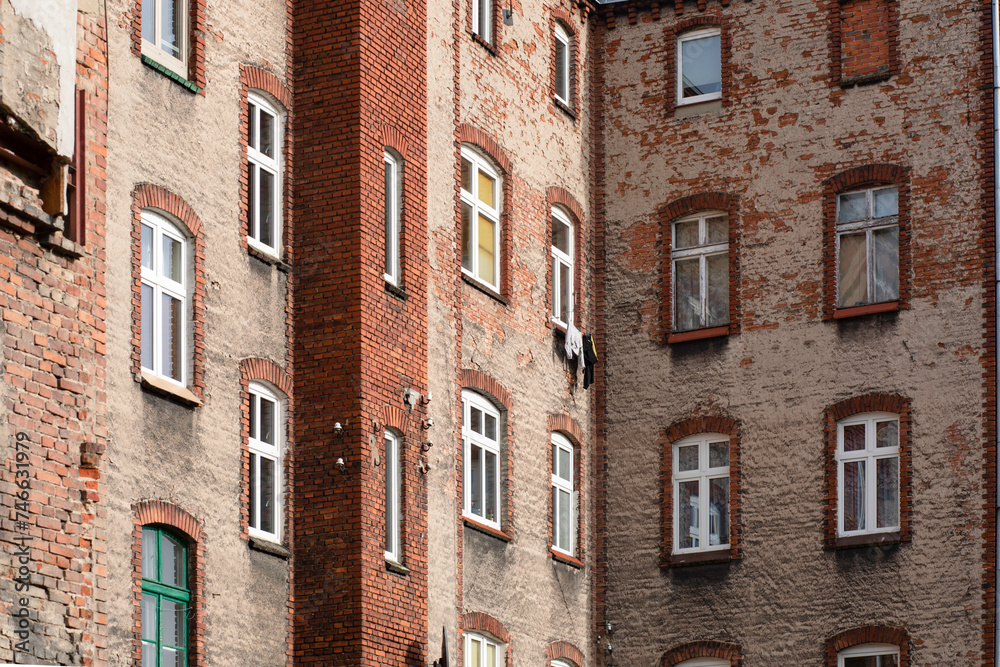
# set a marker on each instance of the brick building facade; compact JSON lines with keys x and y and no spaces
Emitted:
{"x":286,"y":303}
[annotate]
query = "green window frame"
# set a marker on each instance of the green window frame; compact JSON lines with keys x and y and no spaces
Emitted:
{"x":166,"y":598}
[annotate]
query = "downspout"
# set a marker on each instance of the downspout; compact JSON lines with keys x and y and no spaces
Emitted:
{"x":996,"y":286}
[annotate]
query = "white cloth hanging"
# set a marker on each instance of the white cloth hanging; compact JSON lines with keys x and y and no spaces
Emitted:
{"x":574,"y":343}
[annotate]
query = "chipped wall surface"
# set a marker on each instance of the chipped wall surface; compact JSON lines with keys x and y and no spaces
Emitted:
{"x":507,"y":95}
{"x":37,"y":67}
{"x":783,"y":132}
{"x":162,"y":134}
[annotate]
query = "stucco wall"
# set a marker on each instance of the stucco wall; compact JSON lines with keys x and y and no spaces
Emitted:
{"x":784,"y":132}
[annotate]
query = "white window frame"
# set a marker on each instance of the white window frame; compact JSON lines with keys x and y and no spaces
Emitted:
{"x":479,"y":163}
{"x":469,"y":438}
{"x":687,"y":37}
{"x":154,"y":49}
{"x":258,"y":161}
{"x":484,"y":641}
{"x":556,"y":662}
{"x":561,"y":258}
{"x":482,"y":19}
{"x":559,"y":483}
{"x":161,"y":285}
{"x":563,"y":91}
{"x":870,"y":455}
{"x":703,"y":475}
{"x":392,"y":201}
{"x":393,"y":496}
{"x":868,"y":651}
{"x":704,"y":662}
{"x":869,"y":224}
{"x":273,"y":452}
{"x":703,"y":251}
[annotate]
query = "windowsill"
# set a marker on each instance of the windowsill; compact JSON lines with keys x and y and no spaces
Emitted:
{"x":487,"y":530}
{"x":170,"y":74}
{"x":482,"y":287}
{"x":486,"y":45}
{"x":267,"y":258}
{"x":698,"y":558}
{"x":698,"y":334}
{"x":856,"y":311}
{"x":396,"y":290}
{"x":869,"y":540}
{"x":268,"y":547}
{"x":865,"y":79}
{"x":397,"y":568}
{"x":170,"y":389}
{"x":565,"y":108}
{"x":566,"y":558}
{"x":558,"y":327}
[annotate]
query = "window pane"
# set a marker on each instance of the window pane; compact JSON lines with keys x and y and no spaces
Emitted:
{"x":252,"y":125}
{"x":148,"y":613}
{"x":171,"y":27}
{"x":491,"y":655}
{"x":172,"y":565}
{"x":484,"y":19}
{"x":254,"y":473}
{"x":564,"y":296}
{"x":149,"y":653}
{"x":170,"y":337}
{"x":561,"y":69}
{"x":390,"y":241}
{"x":886,"y":202}
{"x":718,"y":454}
{"x":487,"y":271}
{"x":887,"y":434}
{"x":491,"y":487}
{"x":266,"y":133}
{"x":146,"y":316}
{"x":853,"y":277}
{"x":853,"y":207}
{"x":717,"y":229}
{"x":466,"y":236}
{"x":253,"y":415}
{"x":687,"y":458}
{"x":466,"y":175}
{"x":149,"y":554}
{"x":687,"y":515}
{"x":556,"y":290}
{"x":172,"y":623}
{"x":887,"y":509}
{"x":886,"y":242}
{"x":252,"y":201}
{"x":555,"y":459}
{"x":171,"y":267}
{"x":685,"y":234}
{"x":718,"y":290}
{"x":718,"y":511}
{"x":475,"y":648}
{"x":487,"y":185}
{"x":491,"y":427}
{"x":267,"y":518}
{"x":265,"y":217}
{"x":171,"y":658}
{"x":147,"y":246}
{"x":390,"y":495}
{"x":476,"y":483}
{"x":688,"y":294}
{"x":149,"y":20}
{"x":701,"y":67}
{"x":560,"y":235}
{"x":854,"y":495}
{"x":854,"y":438}
{"x":267,"y":410}
{"x":564,"y":465}
{"x":476,"y":420}
{"x":564,"y":520}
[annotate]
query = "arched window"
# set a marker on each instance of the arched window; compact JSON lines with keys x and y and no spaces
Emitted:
{"x":482,"y":191}
{"x":869,"y":655}
{"x":166,"y":597}
{"x":564,"y":495}
{"x":704,"y":662}
{"x":868,"y":474}
{"x":699,"y":66}
{"x":482,"y":456}
{"x":701,"y":493}
{"x":483,"y":651}
{"x":563,"y":63}
{"x":165,"y":297}
{"x":700,"y":271}
{"x":393,"y":496}
{"x":266,"y":444}
{"x":563,"y":298}
{"x":867,"y":246}
{"x":393,"y":167}
{"x":264,"y":174}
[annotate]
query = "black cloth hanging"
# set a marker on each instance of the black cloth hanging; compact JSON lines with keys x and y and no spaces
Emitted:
{"x":590,"y":356}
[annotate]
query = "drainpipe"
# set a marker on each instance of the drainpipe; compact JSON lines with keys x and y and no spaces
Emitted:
{"x":996,"y":276}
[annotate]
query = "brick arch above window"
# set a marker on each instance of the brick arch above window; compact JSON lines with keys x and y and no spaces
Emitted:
{"x":703,"y":649}
{"x":478,"y":621}
{"x":394,"y":418}
{"x":473,"y":379}
{"x":149,"y":196}
{"x":267,"y":370}
{"x":186,"y":526}
{"x":566,"y":20}
{"x":869,"y":634}
{"x":564,"y":651}
{"x":568,"y":427}
{"x":486,"y":143}
{"x":678,"y":431}
{"x":258,"y":78}
{"x":856,"y":405}
{"x":668,"y":213}
{"x":394,"y":138}
{"x":672,"y":32}
{"x":558,"y":196}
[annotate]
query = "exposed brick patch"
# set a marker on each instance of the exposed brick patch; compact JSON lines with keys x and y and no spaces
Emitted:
{"x":859,"y":177}
{"x":703,"y":649}
{"x":196,"y":39}
{"x":705,"y":201}
{"x":682,"y":429}
{"x":188,"y":528}
{"x":864,"y":41}
{"x":479,"y":622}
{"x":563,"y":18}
{"x":564,"y":651}
{"x":145,"y":196}
{"x":869,"y":634}
{"x":670,"y":35}
{"x":892,"y":403}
